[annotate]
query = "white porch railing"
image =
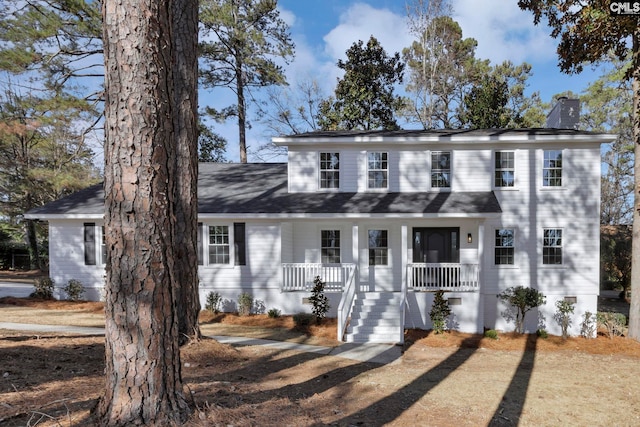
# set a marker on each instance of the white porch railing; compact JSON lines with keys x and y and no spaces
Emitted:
{"x":443,"y":276}
{"x":346,"y":303}
{"x":300,"y":276}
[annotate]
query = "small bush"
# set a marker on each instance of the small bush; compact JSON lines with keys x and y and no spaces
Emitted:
{"x":614,"y":323}
{"x":542,"y":333}
{"x":303,"y":320}
{"x":491,"y":333}
{"x":439,"y":313}
{"x":245,"y":304}
{"x":43,"y":288}
{"x":588,"y":326}
{"x":524,"y":300}
{"x":563,"y":316}
{"x":274,"y":313}
{"x":319,"y":301}
{"x":213,"y":302}
{"x":74,"y":290}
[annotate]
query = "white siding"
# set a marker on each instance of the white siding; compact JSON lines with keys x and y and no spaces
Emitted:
{"x":66,"y":259}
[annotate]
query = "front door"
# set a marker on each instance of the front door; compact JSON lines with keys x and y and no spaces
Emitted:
{"x":436,"y":245}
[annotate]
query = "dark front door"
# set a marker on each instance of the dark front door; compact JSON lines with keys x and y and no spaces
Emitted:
{"x":436,"y":245}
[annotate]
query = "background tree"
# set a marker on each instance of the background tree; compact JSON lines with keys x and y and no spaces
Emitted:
{"x":451,"y":68}
{"x":243,"y":40}
{"x":148,"y":46}
{"x":43,"y":156}
{"x":424,"y":57}
{"x":588,"y":34}
{"x":523,"y":111}
{"x":364,"y":96}
{"x":606,"y":106}
{"x":54,"y":42}
{"x":485,"y":105}
{"x":211,"y":146}
{"x":615,"y":252}
{"x":289,"y":110}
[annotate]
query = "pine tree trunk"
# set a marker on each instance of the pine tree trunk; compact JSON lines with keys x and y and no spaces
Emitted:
{"x":32,"y":239}
{"x":634,"y":309}
{"x":186,"y":127}
{"x":142,"y":356}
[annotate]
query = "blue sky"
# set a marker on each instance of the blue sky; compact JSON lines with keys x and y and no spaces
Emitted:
{"x":323,"y":30}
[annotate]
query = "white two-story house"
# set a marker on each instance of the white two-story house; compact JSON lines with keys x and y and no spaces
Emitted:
{"x":385,"y":218}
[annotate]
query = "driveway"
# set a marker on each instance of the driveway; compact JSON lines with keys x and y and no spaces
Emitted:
{"x":15,"y":289}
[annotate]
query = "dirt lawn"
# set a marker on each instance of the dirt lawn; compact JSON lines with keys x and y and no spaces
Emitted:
{"x":440,"y":380}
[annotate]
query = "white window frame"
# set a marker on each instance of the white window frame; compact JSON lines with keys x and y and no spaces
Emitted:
{"x":322,"y":170}
{"x":384,"y":171}
{"x":498,"y":246}
{"x":546,"y":181}
{"x":497,"y":169}
{"x":323,"y":246}
{"x":101,"y":245}
{"x":553,"y":246}
{"x":378,"y":248}
{"x":207,"y":245}
{"x":439,"y":170}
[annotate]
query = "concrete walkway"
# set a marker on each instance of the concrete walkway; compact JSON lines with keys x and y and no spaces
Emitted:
{"x":374,"y":353}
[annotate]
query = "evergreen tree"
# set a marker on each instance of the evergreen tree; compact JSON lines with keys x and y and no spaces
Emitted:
{"x":485,"y":105}
{"x":364,"y":97}
{"x":242,"y":41}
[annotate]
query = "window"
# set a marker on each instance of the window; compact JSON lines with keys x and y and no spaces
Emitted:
{"x":505,"y":169}
{"x":552,"y":246}
{"x":219,"y":244}
{"x":504,"y":247}
{"x":330,"y":246}
{"x":441,"y":169}
{"x":377,"y":167}
{"x":92,"y":242}
{"x":239,"y":243}
{"x":329,"y":170}
{"x":103,"y":247}
{"x":552,"y":168}
{"x":378,"y":247}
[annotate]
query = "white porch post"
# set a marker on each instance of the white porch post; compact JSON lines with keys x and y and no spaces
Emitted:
{"x":404,"y":253}
{"x":481,"y":284}
{"x":355,"y":253}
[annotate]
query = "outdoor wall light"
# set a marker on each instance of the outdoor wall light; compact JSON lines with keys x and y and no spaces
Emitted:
{"x":469,"y":238}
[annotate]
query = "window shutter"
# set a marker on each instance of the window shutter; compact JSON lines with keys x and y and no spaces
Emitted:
{"x":239,"y":240}
{"x":89,"y":243}
{"x":200,"y":249}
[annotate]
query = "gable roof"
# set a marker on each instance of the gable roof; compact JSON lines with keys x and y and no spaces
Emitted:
{"x":261,"y":190}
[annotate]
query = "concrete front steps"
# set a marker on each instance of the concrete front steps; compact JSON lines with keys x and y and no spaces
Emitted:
{"x":375,"y":318}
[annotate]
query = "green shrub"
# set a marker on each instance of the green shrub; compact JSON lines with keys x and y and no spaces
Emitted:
{"x":542,"y":333}
{"x":319,"y":301}
{"x":274,"y":313}
{"x":439,"y":313}
{"x":303,"y":320}
{"x":588,"y":326}
{"x":524,"y":300}
{"x":491,"y":333}
{"x":563,"y":316}
{"x":43,"y":288}
{"x":245,"y":304}
{"x":74,"y":290}
{"x":213,"y":302}
{"x":614,"y":323}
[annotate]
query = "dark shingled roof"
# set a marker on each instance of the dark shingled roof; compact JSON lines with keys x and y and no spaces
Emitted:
{"x":443,"y":133}
{"x":261,"y":188}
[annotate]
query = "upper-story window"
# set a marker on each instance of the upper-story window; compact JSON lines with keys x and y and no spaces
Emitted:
{"x":505,"y":168}
{"x":441,"y":169}
{"x":329,"y":170}
{"x":377,"y":169}
{"x":330,"y":246}
{"x":552,"y":168}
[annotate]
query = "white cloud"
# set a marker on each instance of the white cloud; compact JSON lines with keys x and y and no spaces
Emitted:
{"x":361,"y":21}
{"x":503,"y":31}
